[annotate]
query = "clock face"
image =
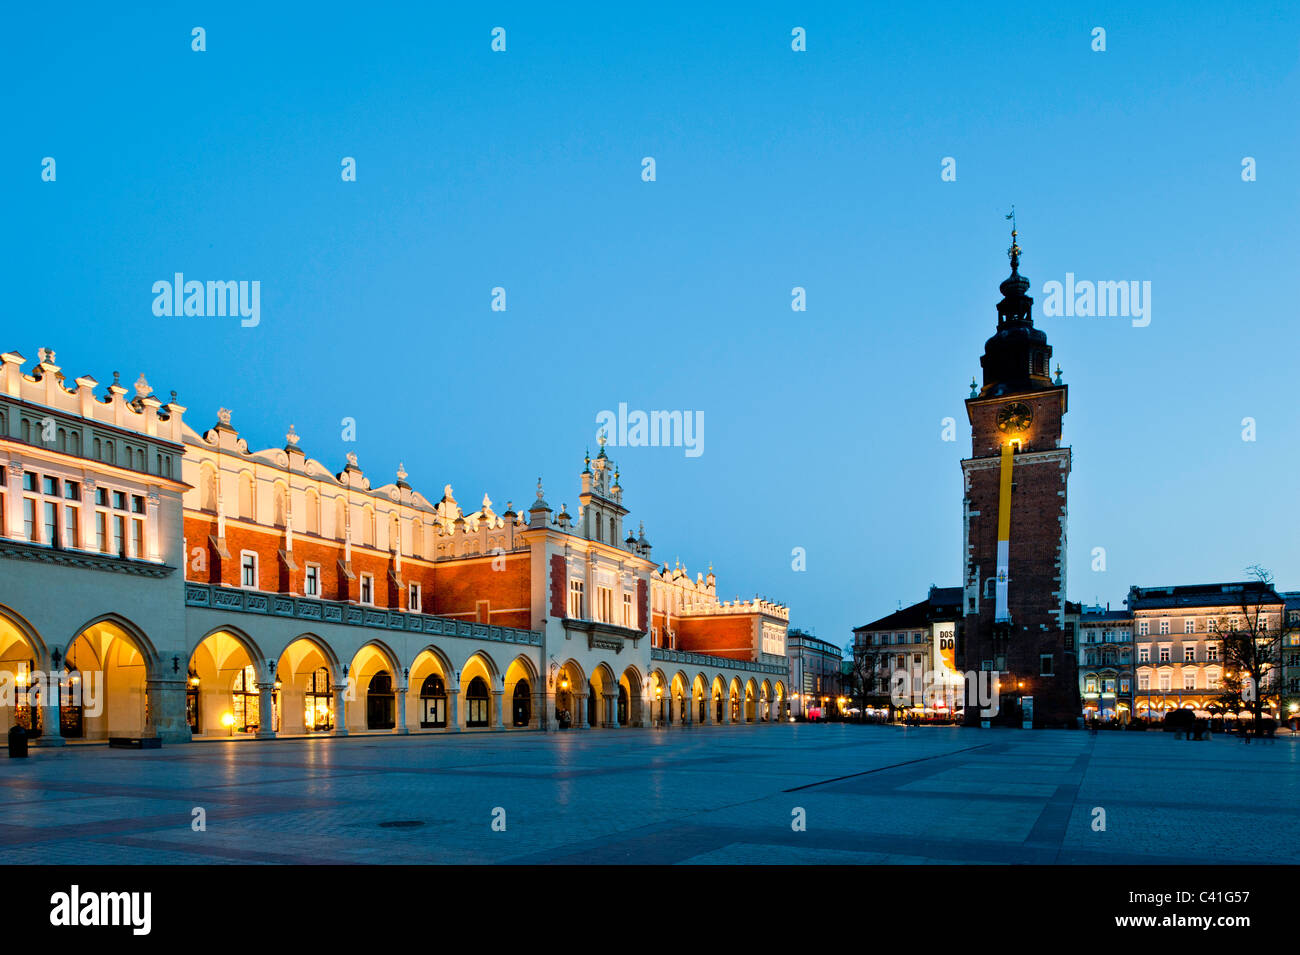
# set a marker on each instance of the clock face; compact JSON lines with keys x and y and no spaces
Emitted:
{"x":1014,"y":417}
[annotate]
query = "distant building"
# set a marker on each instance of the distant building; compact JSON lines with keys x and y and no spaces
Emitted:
{"x":816,"y":673}
{"x":1290,"y":684}
{"x":1179,"y":662}
{"x":1105,"y":646}
{"x":916,"y":640}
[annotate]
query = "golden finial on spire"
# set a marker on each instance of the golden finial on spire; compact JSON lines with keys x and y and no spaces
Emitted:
{"x":1014,"y":252}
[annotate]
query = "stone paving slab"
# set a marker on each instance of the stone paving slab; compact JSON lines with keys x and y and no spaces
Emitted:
{"x":709,"y":795}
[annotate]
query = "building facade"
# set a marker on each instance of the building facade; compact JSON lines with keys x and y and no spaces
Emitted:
{"x":1014,"y":521}
{"x":1105,"y":647}
{"x":911,"y":650}
{"x":1179,"y":651}
{"x":162,"y":581}
{"x":816,"y":674}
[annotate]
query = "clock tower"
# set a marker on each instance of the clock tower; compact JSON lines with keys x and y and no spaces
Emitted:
{"x":1014,"y":523}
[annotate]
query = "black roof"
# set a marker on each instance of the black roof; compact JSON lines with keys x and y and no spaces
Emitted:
{"x":1232,"y":594}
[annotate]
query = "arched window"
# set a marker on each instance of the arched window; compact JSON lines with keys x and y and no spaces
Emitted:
{"x":417,"y":539}
{"x":313,"y":512}
{"x":247,"y":705}
{"x":523,"y":704}
{"x":209,"y":485}
{"x":319,"y":702}
{"x":246,"y":506}
{"x":380,"y":702}
{"x":476,"y":703}
{"x":395,"y":533}
{"x":278,"y":517}
{"x":340,"y":518}
{"x":368,"y":526}
{"x":433,"y":702}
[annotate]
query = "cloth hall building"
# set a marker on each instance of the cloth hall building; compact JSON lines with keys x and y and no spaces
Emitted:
{"x":162,"y":582}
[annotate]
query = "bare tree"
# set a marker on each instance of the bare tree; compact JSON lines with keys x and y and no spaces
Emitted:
{"x":1251,"y":650}
{"x":862,"y":676}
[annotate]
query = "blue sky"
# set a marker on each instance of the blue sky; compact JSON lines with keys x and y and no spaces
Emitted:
{"x":775,"y":169}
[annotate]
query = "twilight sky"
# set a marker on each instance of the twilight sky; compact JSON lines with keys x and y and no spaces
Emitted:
{"x":775,"y":169}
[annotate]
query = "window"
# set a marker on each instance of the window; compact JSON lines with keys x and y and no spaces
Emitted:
{"x":1189,"y":653}
{"x":319,"y":702}
{"x":916,"y":638}
{"x":1123,"y":685}
{"x":413,"y":598}
{"x":1189,"y":679}
{"x":1211,"y":651}
{"x":246,"y":701}
{"x":71,"y":525}
{"x":1090,"y":684}
{"x":1144,"y":654}
{"x":605,"y":604}
{"x":476,"y":703}
{"x":368,"y":588}
{"x":46,"y":519}
{"x":247,"y":569}
{"x":1189,"y":625}
{"x":311,"y":582}
{"x":575,"y":599}
{"x":1164,"y":653}
{"x":433,"y":702}
{"x":629,"y":618}
{"x":1144,"y":628}
{"x":1045,"y":665}
{"x":1164,"y":626}
{"x":1164,"y":682}
{"x":1144,"y":681}
{"x":1212,"y":680}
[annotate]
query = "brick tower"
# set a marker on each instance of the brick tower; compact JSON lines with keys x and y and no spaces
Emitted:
{"x":1015,"y":521}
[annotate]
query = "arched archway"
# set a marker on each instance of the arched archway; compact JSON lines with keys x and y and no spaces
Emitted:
{"x":765,"y":702}
{"x":22,"y":657}
{"x":680,"y":710}
{"x":431,"y":679}
{"x":631,"y":704}
{"x":700,"y":697}
{"x":479,"y":680}
{"x":223,"y":687}
{"x":571,"y":695}
{"x":378,"y":696}
{"x":116,"y":650}
{"x":751,"y":702}
{"x":602,"y":699}
{"x":520,"y":680}
{"x":719,"y":691}
{"x":779,"y":690}
{"x":657,"y":691}
{"x":736,"y":694}
{"x":312,"y":698}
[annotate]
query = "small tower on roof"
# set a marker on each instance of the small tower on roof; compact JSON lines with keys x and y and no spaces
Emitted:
{"x":602,"y":512}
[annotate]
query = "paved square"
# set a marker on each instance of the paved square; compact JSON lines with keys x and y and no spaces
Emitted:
{"x":708,"y":795}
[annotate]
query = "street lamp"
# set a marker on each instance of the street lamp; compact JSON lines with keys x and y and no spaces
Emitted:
{"x":228,"y":721}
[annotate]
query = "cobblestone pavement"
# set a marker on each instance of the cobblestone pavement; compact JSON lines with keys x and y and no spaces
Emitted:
{"x":700,"y":795}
